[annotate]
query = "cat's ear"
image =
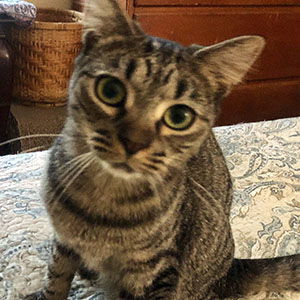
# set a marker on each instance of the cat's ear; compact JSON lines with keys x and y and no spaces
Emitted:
{"x":106,"y":19}
{"x":231,"y":59}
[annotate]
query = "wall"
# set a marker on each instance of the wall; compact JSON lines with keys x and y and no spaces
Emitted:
{"x":52,"y":3}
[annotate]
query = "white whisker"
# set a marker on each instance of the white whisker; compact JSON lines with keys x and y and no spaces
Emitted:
{"x":202,"y":188}
{"x":33,"y":149}
{"x":70,"y":171}
{"x":28,"y":137}
{"x":86,"y":164}
{"x":73,"y":161}
{"x":80,"y":161}
{"x":75,"y":164}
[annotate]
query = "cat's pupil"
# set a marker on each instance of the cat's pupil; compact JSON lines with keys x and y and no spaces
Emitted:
{"x":178,"y":115}
{"x":111,"y":89}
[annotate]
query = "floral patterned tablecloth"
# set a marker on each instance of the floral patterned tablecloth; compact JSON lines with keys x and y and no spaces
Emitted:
{"x":264,"y":160}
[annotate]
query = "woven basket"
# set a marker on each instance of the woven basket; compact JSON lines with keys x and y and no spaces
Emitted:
{"x":43,"y":56}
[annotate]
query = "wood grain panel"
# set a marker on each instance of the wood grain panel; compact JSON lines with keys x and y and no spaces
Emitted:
{"x":258,"y":101}
{"x":214,"y":2}
{"x":280,"y":26}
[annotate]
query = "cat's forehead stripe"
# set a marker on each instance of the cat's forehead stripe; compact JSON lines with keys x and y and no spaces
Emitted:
{"x":149,"y":67}
{"x":167,"y":77}
{"x":181,"y":88}
{"x":131,"y":67}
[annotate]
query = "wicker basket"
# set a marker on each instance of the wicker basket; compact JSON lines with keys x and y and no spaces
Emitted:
{"x":43,"y":56}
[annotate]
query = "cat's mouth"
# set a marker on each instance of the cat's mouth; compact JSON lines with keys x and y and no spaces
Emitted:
{"x":123,"y":166}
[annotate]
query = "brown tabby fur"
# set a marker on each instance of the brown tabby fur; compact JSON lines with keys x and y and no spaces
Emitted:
{"x":140,"y":206}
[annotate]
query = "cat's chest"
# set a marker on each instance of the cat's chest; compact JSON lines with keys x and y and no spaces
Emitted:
{"x":104,"y":249}
{"x":107,"y":248}
{"x":106,"y":219}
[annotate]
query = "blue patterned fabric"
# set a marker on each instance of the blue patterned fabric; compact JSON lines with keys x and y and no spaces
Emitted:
{"x":22,"y":11}
{"x":263,"y":158}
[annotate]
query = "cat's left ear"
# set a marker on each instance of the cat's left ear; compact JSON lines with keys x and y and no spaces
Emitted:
{"x":230,"y":60}
{"x":106,"y":19}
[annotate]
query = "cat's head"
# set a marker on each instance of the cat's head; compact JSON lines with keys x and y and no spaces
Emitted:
{"x":145,"y":104}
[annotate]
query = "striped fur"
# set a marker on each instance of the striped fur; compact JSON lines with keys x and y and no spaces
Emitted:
{"x":135,"y":204}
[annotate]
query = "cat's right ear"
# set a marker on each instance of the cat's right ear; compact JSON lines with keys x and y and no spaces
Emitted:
{"x":230,"y":59}
{"x":106,"y":19}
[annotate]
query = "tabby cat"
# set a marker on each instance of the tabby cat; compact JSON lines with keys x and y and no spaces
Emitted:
{"x":137,"y":188}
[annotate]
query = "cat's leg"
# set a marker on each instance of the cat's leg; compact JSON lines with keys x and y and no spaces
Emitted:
{"x":252,"y":276}
{"x":61,"y":270}
{"x":169,"y":284}
{"x":192,"y":287}
{"x":162,"y":287}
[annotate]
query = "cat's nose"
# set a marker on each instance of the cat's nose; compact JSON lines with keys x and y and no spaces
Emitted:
{"x":132,"y":147}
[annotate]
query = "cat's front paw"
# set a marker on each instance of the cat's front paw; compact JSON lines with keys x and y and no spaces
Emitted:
{"x":36,"y":296}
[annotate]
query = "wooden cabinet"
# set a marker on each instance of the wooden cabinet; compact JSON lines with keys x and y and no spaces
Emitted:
{"x":272,"y":88}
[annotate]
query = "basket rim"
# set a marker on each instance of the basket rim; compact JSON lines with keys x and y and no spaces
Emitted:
{"x":58,"y":25}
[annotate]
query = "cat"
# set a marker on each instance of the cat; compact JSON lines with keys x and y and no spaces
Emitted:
{"x":136,"y":187}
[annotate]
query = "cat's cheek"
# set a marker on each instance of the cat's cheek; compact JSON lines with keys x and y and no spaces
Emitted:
{"x":194,"y":151}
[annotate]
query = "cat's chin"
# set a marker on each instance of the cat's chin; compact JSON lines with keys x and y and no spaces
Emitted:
{"x":125,"y":170}
{"x":122,"y":166}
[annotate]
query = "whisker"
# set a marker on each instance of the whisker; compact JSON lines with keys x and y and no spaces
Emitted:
{"x":202,"y":188}
{"x":86,"y":165}
{"x":28,"y":137}
{"x":75,"y":163}
{"x":80,"y":160}
{"x":213,"y":199}
{"x":73,"y":160}
{"x":33,"y":149}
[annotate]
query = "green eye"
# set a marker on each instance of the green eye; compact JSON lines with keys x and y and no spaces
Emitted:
{"x":110,"y":90}
{"x":179,"y":117}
